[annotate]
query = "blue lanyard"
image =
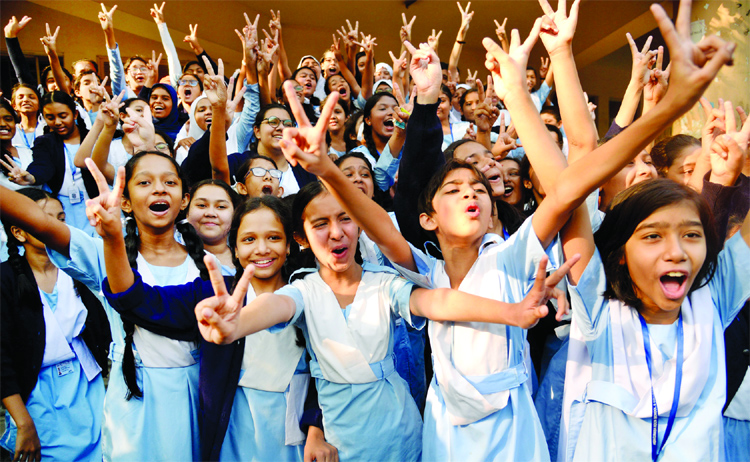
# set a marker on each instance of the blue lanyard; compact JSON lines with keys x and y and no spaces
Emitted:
{"x":677,"y":384}
{"x":26,"y":140}
{"x":73,"y":168}
{"x":505,"y":234}
{"x":450,"y":126}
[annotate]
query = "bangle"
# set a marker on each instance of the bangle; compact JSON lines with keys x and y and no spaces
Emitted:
{"x":462,"y":42}
{"x":399,"y":124}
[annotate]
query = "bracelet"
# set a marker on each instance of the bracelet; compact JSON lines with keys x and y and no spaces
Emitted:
{"x":399,"y":124}
{"x":462,"y":42}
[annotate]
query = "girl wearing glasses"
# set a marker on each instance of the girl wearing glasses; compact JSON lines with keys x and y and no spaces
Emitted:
{"x":268,"y":127}
{"x":260,"y":177}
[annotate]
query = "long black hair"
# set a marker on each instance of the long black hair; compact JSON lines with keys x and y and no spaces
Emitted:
{"x":64,"y":98}
{"x":261,"y":116}
{"x":193,"y":245}
{"x":367,"y":130}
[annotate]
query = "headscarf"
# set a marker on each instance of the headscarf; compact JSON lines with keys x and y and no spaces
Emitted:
{"x":195,"y":131}
{"x":170,"y":124}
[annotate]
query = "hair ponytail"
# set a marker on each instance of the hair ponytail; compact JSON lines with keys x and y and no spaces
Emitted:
{"x":132,"y":243}
{"x":193,"y":245}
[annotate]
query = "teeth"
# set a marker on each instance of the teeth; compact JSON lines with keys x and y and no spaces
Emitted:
{"x":262,"y":262}
{"x":675,"y":274}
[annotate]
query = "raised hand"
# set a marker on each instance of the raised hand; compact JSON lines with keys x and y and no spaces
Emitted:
{"x":471,"y":79}
{"x":15,"y":26}
{"x":97,"y":92}
{"x":399,"y":64}
{"x":270,"y":50}
{"x":232,"y":104}
{"x":152,"y":69}
{"x":218,"y":316}
{"x":543,"y":68}
{"x":533,"y":307}
{"x":500,"y":30}
{"x":192,"y":39}
{"x":641,"y":61}
{"x":505,"y":143}
{"x":109,"y":111}
{"x":253,"y":26}
{"x":139,"y":129}
{"x":466,"y":16}
{"x":275,"y":23}
{"x":557,"y":27}
{"x":367,"y":43}
{"x":434,"y":39}
{"x":105,"y":18}
{"x":249,"y":43}
{"x":425,"y":71}
{"x":405,"y":109}
{"x":157,"y":12}
{"x":50,"y":41}
{"x":405,"y":32}
{"x":693,"y":66}
{"x":485,"y":114}
{"x":103,"y":211}
{"x":509,"y":69}
{"x":729,"y":151}
{"x":306,"y":144}
{"x":213,"y":85}
{"x":15,"y":173}
{"x":656,"y":86}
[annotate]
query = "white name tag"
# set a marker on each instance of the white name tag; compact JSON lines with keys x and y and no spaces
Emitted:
{"x":64,"y":368}
{"x":74,"y":195}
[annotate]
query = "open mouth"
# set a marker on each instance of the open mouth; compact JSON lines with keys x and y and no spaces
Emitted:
{"x":508,"y":191}
{"x":4,"y":131}
{"x":266,"y":190}
{"x":388,"y":123}
{"x":673,"y":284}
{"x":473,"y":210}
{"x":159,"y":208}
{"x":340,"y":251}
{"x":342,"y":91}
{"x":188,"y":92}
{"x":208,"y":120}
{"x":264,"y":263}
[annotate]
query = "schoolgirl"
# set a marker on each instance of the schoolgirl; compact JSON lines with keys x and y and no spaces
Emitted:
{"x":257,"y":419}
{"x":162,"y":99}
{"x":655,"y":336}
{"x":54,"y":155}
{"x":212,"y":204}
{"x":54,"y":352}
{"x":150,"y":372}
{"x":200,"y":117}
{"x":452,"y":131}
{"x":378,"y":125}
{"x":25,"y":100}
{"x":335,"y":134}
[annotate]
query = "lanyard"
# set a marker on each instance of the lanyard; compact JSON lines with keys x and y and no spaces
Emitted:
{"x":73,"y":169}
{"x":677,"y":383}
{"x":450,"y":126}
{"x":26,"y":140}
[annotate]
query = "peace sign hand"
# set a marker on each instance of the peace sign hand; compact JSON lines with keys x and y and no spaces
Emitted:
{"x":466,"y":16}
{"x":425,"y":71}
{"x":50,"y":41}
{"x":533,"y":307}
{"x":213,"y":85}
{"x":192,"y":39}
{"x":405,"y":32}
{"x":105,"y":18}
{"x":557,"y":27}
{"x":15,"y":173}
{"x":306,"y":145}
{"x":109,"y":111}
{"x":641,"y":60}
{"x":157,"y":12}
{"x":15,"y":26}
{"x":218,"y":316}
{"x":505,"y":143}
{"x":500,"y":30}
{"x":434,"y":39}
{"x":729,"y":151}
{"x":152,"y":69}
{"x":509,"y":69}
{"x":103,"y":211}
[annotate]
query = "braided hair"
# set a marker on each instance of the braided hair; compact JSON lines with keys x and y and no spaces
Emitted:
{"x":193,"y":245}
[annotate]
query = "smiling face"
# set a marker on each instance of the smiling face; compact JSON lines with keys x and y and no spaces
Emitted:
{"x":86,"y":82}
{"x":203,"y":113}
{"x":210,"y":213}
{"x":337,"y":83}
{"x":382,"y":74}
{"x":330,"y":233}
{"x":306,"y":78}
{"x":478,"y":155}
{"x":664,"y":256}
{"x":358,"y":173}
{"x":261,"y":241}
{"x":7,"y":125}
{"x":330,"y":65}
{"x":338,"y":117}
{"x":135,"y":74}
{"x":256,"y":186}
{"x":25,"y":101}
{"x":382,"y":116}
{"x":154,"y":194}
{"x":639,"y":169}
{"x":269,"y":136}
{"x":160,"y":103}
{"x":512,"y":192}
{"x":470,"y":103}
{"x":530,"y":80}
{"x":60,"y":120}
{"x":444,"y":107}
{"x":188,"y":91}
{"x":463,"y":209}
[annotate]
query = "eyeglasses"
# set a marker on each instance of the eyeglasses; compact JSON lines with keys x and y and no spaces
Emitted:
{"x":192,"y":83}
{"x":260,"y":172}
{"x":275,"y":121}
{"x":134,"y":69}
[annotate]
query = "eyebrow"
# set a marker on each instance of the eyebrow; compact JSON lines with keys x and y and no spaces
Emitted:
{"x":662,"y":224}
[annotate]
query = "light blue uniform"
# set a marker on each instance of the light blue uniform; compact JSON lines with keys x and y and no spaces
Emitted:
{"x":164,"y":424}
{"x":487,"y":413}
{"x":604,"y":422}
{"x":368,"y":413}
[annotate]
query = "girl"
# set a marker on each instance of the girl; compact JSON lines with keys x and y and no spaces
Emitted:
{"x":201,"y":115}
{"x":54,"y":352}
{"x":658,"y":371}
{"x":378,"y":124}
{"x":54,"y":155}
{"x":14,"y":157}
{"x":347,"y":312}
{"x":675,"y":157}
{"x":212,"y":204}
{"x":335,"y":134}
{"x":270,"y":370}
{"x":150,"y":372}
{"x":165,"y":109}
{"x":451,"y":131}
{"x":260,"y":177}
{"x":25,"y":100}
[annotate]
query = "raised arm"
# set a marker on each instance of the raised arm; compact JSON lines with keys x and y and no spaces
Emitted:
{"x":638,"y":78}
{"x":345,"y":72}
{"x":116,"y":69}
{"x":216,"y":91}
{"x":173,"y":61}
{"x":50,"y":47}
{"x":250,"y":109}
{"x":23,"y":212}
{"x":23,"y":72}
{"x":97,"y":142}
{"x":458,"y":45}
{"x":285,"y":72}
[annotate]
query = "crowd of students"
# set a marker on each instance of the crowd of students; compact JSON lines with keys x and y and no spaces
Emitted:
{"x":354,"y":260}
